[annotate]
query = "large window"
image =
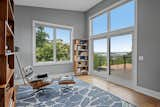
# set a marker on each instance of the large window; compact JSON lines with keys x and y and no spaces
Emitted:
{"x":52,"y":43}
{"x":111,"y":39}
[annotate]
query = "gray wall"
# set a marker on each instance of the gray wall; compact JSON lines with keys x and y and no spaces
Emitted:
{"x":23,"y":31}
{"x":148,"y":40}
{"x":149,"y":44}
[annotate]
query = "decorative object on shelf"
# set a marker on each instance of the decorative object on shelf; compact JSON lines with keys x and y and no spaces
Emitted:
{"x":80,"y":57}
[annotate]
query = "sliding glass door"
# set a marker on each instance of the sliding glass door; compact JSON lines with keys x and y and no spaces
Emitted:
{"x":121,"y":56}
{"x":100,"y":57}
{"x":118,"y":60}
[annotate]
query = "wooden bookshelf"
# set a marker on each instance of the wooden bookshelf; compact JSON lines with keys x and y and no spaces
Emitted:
{"x":80,"y":57}
{"x":7,"y":91}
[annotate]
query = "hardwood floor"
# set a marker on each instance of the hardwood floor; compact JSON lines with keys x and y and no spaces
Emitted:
{"x":125,"y":93}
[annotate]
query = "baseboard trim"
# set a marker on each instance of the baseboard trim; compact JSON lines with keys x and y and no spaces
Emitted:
{"x":145,"y":91}
{"x":148,"y":92}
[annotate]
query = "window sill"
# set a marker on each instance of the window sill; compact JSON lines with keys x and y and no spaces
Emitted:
{"x":51,"y":63}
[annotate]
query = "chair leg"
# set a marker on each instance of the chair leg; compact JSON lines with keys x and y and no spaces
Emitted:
{"x":37,"y":91}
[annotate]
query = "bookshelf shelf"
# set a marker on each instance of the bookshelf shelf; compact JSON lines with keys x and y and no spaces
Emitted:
{"x":82,"y":60}
{"x":7,"y":91}
{"x":80,"y":57}
{"x":83,"y":50}
{"x":9,"y":54}
{"x":82,"y":66}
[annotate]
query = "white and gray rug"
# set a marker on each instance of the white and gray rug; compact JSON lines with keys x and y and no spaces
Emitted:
{"x":83,"y":95}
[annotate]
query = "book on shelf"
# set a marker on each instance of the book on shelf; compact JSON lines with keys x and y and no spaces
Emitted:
{"x":84,"y":71}
{"x":82,"y":58}
{"x":82,"y":41}
{"x":83,"y":54}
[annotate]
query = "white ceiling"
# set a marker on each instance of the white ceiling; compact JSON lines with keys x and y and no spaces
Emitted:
{"x":75,"y":5}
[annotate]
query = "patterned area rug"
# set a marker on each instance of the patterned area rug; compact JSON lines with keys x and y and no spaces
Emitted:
{"x":82,"y":95}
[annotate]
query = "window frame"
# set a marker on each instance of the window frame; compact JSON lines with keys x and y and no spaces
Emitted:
{"x":54,"y":26}
{"x":122,"y":31}
{"x":109,"y":31}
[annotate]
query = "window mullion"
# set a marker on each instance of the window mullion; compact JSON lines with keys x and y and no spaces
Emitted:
{"x":54,"y":37}
{"x":108,"y":42}
{"x":109,"y":22}
{"x":71,"y":49}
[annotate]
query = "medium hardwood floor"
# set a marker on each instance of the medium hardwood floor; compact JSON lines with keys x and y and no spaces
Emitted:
{"x":125,"y":93}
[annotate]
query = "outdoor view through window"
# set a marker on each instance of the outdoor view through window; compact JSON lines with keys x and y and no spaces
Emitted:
{"x":100,"y":56}
{"x":120,"y":51}
{"x":52,"y":44}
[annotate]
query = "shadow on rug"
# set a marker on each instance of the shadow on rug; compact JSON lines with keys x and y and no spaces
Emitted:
{"x":83,"y":95}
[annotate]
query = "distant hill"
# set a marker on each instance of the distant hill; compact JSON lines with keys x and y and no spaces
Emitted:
{"x":114,"y":53}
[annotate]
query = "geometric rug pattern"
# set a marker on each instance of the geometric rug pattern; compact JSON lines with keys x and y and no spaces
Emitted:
{"x":82,"y":95}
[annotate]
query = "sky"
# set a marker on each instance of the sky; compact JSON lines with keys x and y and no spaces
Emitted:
{"x":117,"y":44}
{"x":50,"y":32}
{"x":121,"y":17}
{"x":63,"y":34}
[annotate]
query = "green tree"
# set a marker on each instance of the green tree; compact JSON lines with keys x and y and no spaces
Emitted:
{"x":44,"y":47}
{"x":41,"y":36}
{"x":99,"y":60}
{"x":63,"y":50}
{"x":44,"y":53}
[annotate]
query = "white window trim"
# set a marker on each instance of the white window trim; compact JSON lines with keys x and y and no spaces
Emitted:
{"x":34,"y":22}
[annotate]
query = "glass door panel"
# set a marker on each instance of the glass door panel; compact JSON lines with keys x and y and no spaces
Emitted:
{"x":121,"y":56}
{"x":100,"y":57}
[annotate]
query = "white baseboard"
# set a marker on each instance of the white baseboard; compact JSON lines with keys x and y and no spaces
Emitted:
{"x":136,"y":88}
{"x":145,"y":91}
{"x":148,"y":92}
